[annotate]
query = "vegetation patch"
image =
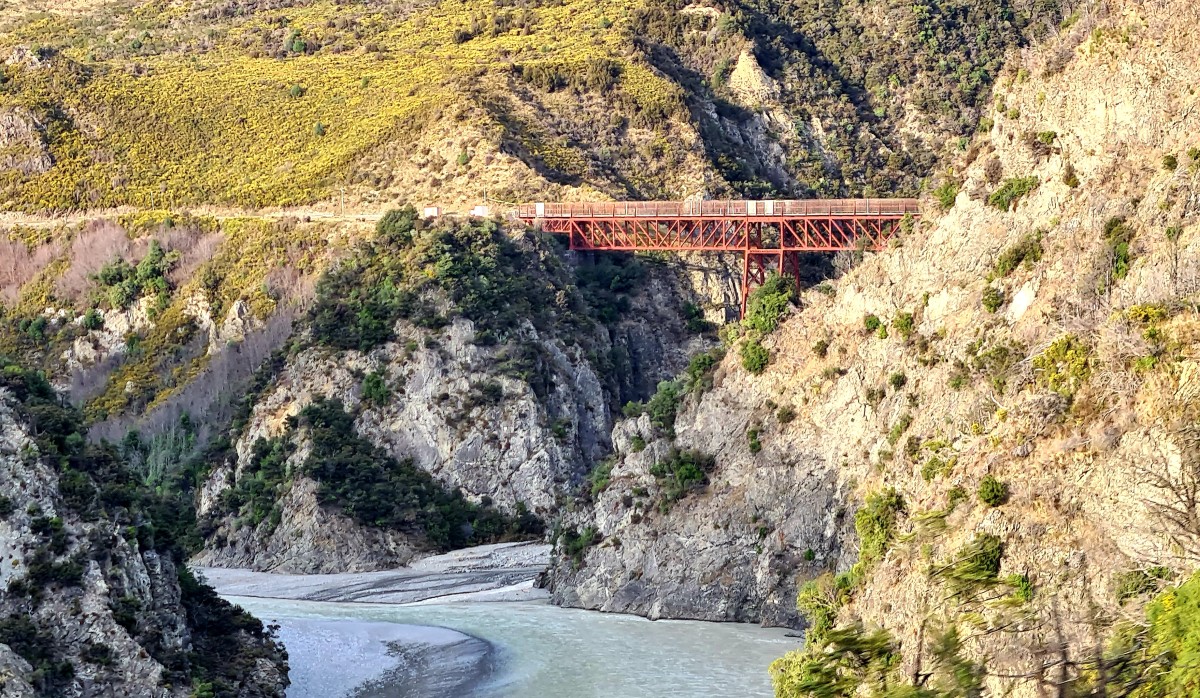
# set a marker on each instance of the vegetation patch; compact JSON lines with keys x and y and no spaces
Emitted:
{"x":875,"y":523}
{"x":99,"y":487}
{"x":768,"y":303}
{"x":375,"y":390}
{"x":480,"y":269}
{"x":1118,"y":235}
{"x":755,"y":356}
{"x":992,"y":299}
{"x":992,"y":491}
{"x":1027,"y":252}
{"x":1012,"y":191}
{"x":976,"y":564}
{"x":1139,"y":582}
{"x":946,"y":194}
{"x":1064,"y":366}
{"x":679,"y":473}
{"x":601,"y":475}
{"x":573,"y":544}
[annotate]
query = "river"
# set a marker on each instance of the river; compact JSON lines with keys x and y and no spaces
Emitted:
{"x":495,"y":650}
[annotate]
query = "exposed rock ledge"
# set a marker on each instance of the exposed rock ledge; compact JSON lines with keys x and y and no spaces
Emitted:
{"x":500,"y":572}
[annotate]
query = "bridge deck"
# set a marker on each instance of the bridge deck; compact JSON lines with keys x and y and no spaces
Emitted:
{"x":721,"y":209}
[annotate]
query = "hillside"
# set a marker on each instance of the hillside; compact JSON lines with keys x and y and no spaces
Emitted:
{"x":252,"y":103}
{"x":980,"y":442}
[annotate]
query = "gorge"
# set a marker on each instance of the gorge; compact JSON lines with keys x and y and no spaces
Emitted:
{"x":237,"y":361}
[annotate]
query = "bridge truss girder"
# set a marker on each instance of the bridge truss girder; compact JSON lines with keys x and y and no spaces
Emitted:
{"x":767,"y":243}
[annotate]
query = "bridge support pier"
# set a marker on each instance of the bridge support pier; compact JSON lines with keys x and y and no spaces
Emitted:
{"x":757,"y":266}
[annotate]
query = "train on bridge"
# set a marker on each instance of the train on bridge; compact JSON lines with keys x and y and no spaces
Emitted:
{"x":770,"y":234}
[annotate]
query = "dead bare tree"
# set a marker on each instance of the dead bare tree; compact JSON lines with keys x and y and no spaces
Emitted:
{"x":1179,"y":491}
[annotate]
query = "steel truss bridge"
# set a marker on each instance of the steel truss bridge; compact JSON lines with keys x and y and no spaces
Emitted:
{"x":770,"y":235}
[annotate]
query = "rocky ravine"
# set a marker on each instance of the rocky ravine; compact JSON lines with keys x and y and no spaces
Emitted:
{"x":1085,"y":432}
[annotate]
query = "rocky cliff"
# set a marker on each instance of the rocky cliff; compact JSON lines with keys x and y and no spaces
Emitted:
{"x":97,"y":602}
{"x":513,"y":421}
{"x":1014,"y":380}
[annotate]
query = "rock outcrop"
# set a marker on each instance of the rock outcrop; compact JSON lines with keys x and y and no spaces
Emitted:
{"x":23,"y":143}
{"x":91,"y":609}
{"x":515,"y":426}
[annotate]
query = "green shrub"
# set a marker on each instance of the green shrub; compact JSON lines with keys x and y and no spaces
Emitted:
{"x":976,"y":564}
{"x":993,"y":298}
{"x":1194,"y":154}
{"x":955,"y":496}
{"x":1138,"y":582}
{"x":1012,"y":191}
{"x":693,"y":316}
{"x":1027,"y":251}
{"x":1021,"y":586}
{"x":768,"y":303}
{"x":574,"y":545}
{"x":904,"y":323}
{"x":375,"y":389}
{"x":752,"y":440}
{"x":821,"y":348}
{"x":395,"y":229}
{"x":754,"y":356}
{"x":935,"y":467}
{"x":637,"y":444}
{"x":875,"y":523}
{"x":899,"y":428}
{"x":122,"y":283}
{"x":946,"y":194}
{"x":1118,"y":235}
{"x":601,"y":476}
{"x":1047,"y":137}
{"x":663,"y":406}
{"x":93,"y":320}
{"x":679,"y":473}
{"x":872,"y":323}
{"x":897,"y":380}
{"x":785,"y":414}
{"x":1070,"y":176}
{"x":698,"y":378}
{"x":1064,"y":365}
{"x":1170,"y":163}
{"x":992,"y":491}
{"x":819,"y":600}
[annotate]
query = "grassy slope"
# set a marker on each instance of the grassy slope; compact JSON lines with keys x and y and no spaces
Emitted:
{"x":157,"y":106}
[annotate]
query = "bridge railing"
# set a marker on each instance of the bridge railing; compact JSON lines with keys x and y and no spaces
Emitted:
{"x":721,"y":209}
